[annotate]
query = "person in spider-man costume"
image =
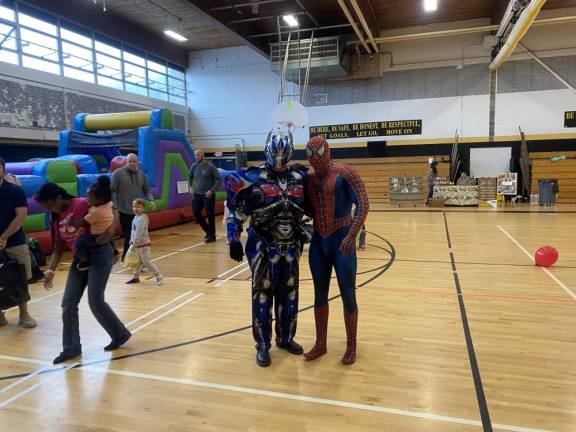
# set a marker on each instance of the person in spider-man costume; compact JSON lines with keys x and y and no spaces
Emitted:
{"x":332,"y":189}
{"x":272,"y":196}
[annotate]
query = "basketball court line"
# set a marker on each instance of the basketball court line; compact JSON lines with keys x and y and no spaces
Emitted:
{"x":310,"y":399}
{"x":55,"y":293}
{"x":475,"y":369}
{"x":233,"y":275}
{"x":544,"y":269}
{"x":170,"y":254}
{"x":293,"y":397}
{"x":78,"y":363}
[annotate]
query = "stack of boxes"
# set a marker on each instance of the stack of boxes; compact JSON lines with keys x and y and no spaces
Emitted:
{"x":487,"y":187}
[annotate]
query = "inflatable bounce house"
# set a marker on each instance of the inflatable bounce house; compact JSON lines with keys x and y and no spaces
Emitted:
{"x":91,"y":149}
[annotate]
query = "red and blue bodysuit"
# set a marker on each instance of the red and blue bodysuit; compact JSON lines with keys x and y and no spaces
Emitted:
{"x":331,"y":191}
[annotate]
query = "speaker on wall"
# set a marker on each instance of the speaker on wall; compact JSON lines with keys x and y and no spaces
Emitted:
{"x":376,"y":148}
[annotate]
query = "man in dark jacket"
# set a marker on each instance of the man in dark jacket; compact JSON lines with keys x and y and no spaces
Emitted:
{"x":129,"y":183}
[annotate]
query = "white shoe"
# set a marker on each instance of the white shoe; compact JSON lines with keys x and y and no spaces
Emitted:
{"x":159,"y":279}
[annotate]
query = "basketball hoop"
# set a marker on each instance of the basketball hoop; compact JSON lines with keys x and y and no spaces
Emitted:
{"x":287,"y":124}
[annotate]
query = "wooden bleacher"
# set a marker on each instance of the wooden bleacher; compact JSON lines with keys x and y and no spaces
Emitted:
{"x":376,"y":172}
{"x":564,"y":171}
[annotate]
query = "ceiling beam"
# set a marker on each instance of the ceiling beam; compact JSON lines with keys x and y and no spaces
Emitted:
{"x":352,"y":22}
{"x":261,"y":18}
{"x":248,"y":4}
{"x":310,"y":29}
{"x":366,"y":16}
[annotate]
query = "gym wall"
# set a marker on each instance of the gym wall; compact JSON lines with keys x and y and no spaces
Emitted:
{"x":443,"y":81}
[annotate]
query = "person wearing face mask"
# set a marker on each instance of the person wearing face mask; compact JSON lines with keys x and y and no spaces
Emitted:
{"x":332,"y":189}
{"x":272,"y":196}
{"x":129,"y":183}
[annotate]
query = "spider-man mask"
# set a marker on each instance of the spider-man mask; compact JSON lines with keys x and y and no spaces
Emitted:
{"x":318,"y":154}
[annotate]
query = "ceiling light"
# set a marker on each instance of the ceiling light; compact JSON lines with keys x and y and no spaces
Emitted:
{"x":430,"y":5}
{"x":175,"y":35}
{"x":290,"y":20}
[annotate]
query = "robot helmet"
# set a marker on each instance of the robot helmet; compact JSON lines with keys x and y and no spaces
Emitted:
{"x":279,"y":149}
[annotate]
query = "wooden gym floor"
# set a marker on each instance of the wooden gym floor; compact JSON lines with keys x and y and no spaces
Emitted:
{"x":458,"y":331}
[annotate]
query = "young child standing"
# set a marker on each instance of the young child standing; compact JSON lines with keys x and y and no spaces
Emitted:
{"x":100,"y":216}
{"x":140,"y":240}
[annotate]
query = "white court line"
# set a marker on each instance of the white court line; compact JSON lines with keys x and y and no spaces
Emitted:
{"x":35,"y":386}
{"x":143,"y":326}
{"x":170,"y":254}
{"x":544,"y":269}
{"x":158,"y":308}
{"x":55,"y":293}
{"x":230,"y":277}
{"x":313,"y":400}
{"x":232,"y":269}
{"x":41,"y":370}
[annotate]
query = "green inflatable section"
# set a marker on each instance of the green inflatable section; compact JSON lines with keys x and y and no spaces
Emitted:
{"x":171,"y":160}
{"x":63,"y":172}
{"x":35,"y":222}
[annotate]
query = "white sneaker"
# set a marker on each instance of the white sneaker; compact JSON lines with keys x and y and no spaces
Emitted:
{"x":159,"y":279}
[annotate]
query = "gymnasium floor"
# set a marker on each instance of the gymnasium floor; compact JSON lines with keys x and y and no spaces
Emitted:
{"x":457,"y":329}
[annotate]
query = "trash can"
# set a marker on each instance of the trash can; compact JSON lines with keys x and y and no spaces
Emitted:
{"x":547,"y":188}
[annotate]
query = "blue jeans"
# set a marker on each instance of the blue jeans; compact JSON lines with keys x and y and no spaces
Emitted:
{"x":84,"y":244}
{"x":96,"y":278}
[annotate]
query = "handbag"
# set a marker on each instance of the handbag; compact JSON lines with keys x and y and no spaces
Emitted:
{"x":13,"y":283}
{"x":132,"y":258}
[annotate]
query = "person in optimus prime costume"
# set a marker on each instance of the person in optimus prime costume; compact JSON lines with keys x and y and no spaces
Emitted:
{"x":272,"y":196}
{"x":332,"y":189}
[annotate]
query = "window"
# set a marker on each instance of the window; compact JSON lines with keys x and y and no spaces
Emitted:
{"x":132,"y":58}
{"x":157,"y":81}
{"x":61,"y":47}
{"x":110,"y":82}
{"x":8,"y":57}
{"x":42,"y":65}
{"x":177,"y":87}
{"x":156,"y":67}
{"x":108,"y":66}
{"x":158,"y":95}
{"x":77,"y":38}
{"x":38,"y":24}
{"x":107,"y":49}
{"x":78,"y":74}
{"x":132,"y":88}
{"x":135,"y":74}
{"x":78,"y":57}
{"x":39,"y":45}
{"x":7,"y":13}
{"x":7,"y":37}
{"x":174,"y":73}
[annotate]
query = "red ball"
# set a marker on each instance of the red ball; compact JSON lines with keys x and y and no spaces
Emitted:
{"x":546,"y":256}
{"x":118,"y":162}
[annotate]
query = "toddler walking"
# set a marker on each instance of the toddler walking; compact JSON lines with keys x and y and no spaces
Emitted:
{"x":140,"y":240}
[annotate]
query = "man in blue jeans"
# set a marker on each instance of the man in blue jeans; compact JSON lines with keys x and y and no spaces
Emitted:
{"x":205,"y":180}
{"x":13,"y":212}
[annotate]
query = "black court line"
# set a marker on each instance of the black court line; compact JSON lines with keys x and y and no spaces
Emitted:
{"x":480,"y":396}
{"x":383,"y":269}
{"x":472,"y":211}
